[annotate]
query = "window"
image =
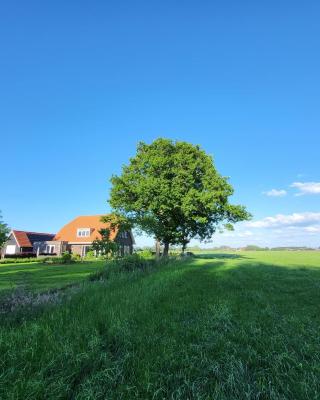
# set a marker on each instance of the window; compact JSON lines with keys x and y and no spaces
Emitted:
{"x":84,"y":250}
{"x":83,"y":232}
{"x":50,"y":249}
{"x":126,"y":250}
{"x":123,"y":235}
{"x":10,"y":249}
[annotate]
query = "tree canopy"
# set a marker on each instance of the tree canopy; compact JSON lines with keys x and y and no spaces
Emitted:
{"x":172,"y":190}
{"x":4,"y":231}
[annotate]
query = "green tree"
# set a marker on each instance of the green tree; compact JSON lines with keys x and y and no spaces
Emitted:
{"x":4,"y":231}
{"x":105,"y":246}
{"x":172,"y":190}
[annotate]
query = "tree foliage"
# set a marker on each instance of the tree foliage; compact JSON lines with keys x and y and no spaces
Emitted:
{"x":105,"y":246}
{"x":117,"y":222}
{"x":173,"y":191}
{"x":4,"y":232}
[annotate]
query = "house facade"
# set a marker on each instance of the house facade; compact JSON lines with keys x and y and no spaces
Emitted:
{"x":75,"y":237}
{"x":79,"y":234}
{"x":23,"y":242}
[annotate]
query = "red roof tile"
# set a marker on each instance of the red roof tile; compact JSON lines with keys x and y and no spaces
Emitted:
{"x":22,"y":238}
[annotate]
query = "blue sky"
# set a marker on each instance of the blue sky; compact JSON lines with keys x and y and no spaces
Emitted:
{"x":82,"y":82}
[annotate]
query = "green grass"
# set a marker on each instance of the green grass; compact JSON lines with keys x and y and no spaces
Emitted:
{"x":39,"y":276}
{"x":225,"y":326}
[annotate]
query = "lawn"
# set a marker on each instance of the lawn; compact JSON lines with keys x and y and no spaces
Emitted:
{"x":40,"y":277}
{"x":222,"y":326}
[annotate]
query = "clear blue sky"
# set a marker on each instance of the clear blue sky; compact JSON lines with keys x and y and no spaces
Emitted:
{"x":81,"y":82}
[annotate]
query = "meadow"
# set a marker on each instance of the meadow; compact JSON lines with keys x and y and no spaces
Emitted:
{"x":39,"y":276}
{"x":225,"y":326}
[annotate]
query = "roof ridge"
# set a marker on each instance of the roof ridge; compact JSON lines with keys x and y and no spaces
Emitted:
{"x":37,"y":233}
{"x":95,"y":215}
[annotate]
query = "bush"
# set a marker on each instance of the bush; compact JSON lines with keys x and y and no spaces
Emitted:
{"x":21,"y":255}
{"x":19,"y":260}
{"x":66,"y":257}
{"x":90,"y":255}
{"x":131,"y":263}
{"x":127,"y":264}
{"x":147,"y":254}
{"x":75,"y":258}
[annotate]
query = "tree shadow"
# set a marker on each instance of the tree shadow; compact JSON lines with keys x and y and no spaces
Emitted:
{"x":221,"y":256}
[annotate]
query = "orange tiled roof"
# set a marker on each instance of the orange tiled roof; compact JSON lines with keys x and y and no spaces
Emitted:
{"x":22,"y":239}
{"x":69,"y":232}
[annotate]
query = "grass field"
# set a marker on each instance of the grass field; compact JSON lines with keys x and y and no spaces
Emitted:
{"x":39,"y":277}
{"x":221,"y":326}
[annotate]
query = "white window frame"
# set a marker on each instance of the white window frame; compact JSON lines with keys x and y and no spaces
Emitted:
{"x":83,"y":232}
{"x":84,"y":250}
{"x":50,"y":248}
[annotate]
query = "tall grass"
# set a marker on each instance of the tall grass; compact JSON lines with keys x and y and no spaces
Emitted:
{"x":235,"y":327}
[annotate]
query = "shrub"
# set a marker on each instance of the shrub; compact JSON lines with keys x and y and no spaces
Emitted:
{"x":145,"y":253}
{"x":66,"y":257}
{"x":19,"y":260}
{"x":131,"y":263}
{"x":21,"y":255}
{"x":75,"y":258}
{"x":90,"y":254}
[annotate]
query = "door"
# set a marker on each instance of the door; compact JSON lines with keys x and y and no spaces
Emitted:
{"x":11,"y":249}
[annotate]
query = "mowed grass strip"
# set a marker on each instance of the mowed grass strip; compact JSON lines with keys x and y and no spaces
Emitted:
{"x":39,"y":277}
{"x":226,"y":326}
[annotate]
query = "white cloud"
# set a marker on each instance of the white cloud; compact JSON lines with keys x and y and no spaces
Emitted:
{"x":307,"y":188}
{"x":312,"y":229}
{"x":275,"y":193}
{"x":281,"y":220}
{"x":239,"y":234}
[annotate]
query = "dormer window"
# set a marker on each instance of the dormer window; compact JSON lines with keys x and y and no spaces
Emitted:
{"x":83,"y":232}
{"x":123,"y":235}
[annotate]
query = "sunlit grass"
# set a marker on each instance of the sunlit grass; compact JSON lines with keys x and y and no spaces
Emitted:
{"x":39,"y":276}
{"x":228,"y":326}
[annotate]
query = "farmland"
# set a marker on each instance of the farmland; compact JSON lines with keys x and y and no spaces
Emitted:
{"x":39,"y":276}
{"x":227,"y":326}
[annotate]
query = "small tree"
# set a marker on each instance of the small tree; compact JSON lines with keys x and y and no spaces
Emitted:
{"x":172,"y":191}
{"x":105,"y":246}
{"x":4,"y":232}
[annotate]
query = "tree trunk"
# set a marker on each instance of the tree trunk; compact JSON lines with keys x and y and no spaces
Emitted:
{"x":184,"y":246}
{"x":158,"y":248}
{"x":166,"y":249}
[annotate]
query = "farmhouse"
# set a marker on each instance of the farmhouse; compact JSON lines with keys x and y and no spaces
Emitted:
{"x":22,"y":242}
{"x":75,"y":237}
{"x":79,"y":234}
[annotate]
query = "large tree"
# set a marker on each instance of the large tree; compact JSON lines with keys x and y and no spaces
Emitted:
{"x":173,"y":191}
{"x":4,"y":232}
